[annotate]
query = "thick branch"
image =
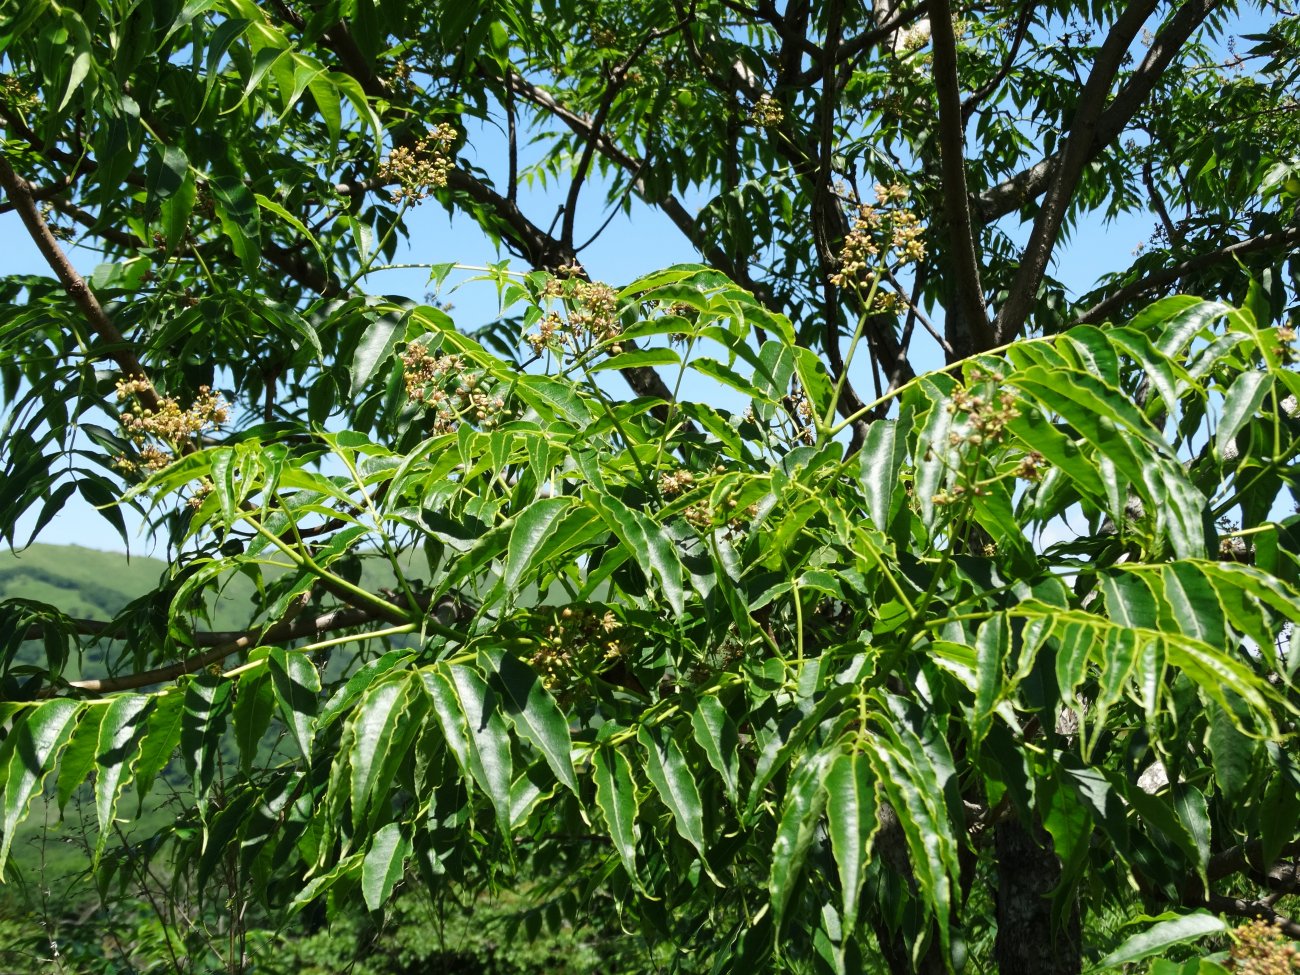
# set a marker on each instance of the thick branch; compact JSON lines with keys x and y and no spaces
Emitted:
{"x":1006,"y":197}
{"x":282,"y":632}
{"x":1078,"y":149}
{"x":119,"y":349}
{"x":956,"y":202}
{"x":1239,"y":859}
{"x":1240,"y":907}
{"x":1279,"y":240}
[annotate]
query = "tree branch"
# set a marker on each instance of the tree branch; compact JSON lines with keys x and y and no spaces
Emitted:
{"x":1279,"y":240}
{"x":281,"y":632}
{"x":1240,"y":907}
{"x":1077,"y":151}
{"x":1000,"y":200}
{"x":1238,"y":859}
{"x":222,"y":644}
{"x":119,"y":349}
{"x":668,"y":204}
{"x":972,"y":314}
{"x":897,"y":19}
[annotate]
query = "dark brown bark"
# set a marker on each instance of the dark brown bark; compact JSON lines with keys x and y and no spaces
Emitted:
{"x":975,"y":334}
{"x":1029,"y":940}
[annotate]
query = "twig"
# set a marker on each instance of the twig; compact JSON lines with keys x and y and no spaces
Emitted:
{"x":1280,"y":239}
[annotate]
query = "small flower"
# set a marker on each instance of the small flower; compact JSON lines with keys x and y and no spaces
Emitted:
{"x":674,"y":483}
{"x":421,"y":168}
{"x":1030,"y":467}
{"x":766,"y":113}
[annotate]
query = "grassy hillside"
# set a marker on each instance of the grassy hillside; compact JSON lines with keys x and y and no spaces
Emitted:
{"x":80,"y":581}
{"x":85,"y":582}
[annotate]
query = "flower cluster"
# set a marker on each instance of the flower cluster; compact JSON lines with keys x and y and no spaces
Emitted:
{"x":1030,"y":467}
{"x":1286,"y":346}
{"x":674,"y":483}
{"x":766,"y":113}
{"x":800,"y":407}
{"x":702,"y":516}
{"x":985,"y":425}
{"x":17,"y":94}
{"x":1262,"y":949}
{"x":987,"y":417}
{"x":171,"y":424}
{"x":592,"y":314}
{"x":450,"y":392}
{"x":580,"y":642}
{"x":420,"y":168}
{"x":885,"y":226}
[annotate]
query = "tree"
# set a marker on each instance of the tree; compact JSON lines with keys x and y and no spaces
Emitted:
{"x":832,"y":679}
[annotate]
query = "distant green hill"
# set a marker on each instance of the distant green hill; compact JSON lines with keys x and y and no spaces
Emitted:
{"x":88,"y":583}
{"x":81,"y":581}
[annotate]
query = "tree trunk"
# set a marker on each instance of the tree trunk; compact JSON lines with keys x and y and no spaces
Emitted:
{"x":1028,"y":941}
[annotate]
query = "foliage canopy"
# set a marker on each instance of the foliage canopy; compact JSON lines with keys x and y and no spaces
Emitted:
{"x":794,"y":672}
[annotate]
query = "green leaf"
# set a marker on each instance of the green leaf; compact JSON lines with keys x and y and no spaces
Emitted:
{"x":1240,"y":403}
{"x":992,"y":647}
{"x":1233,"y":752}
{"x":79,"y":757}
{"x":375,"y":348}
{"x":271,"y":206}
{"x":917,"y":797}
{"x":851,"y":818}
{"x":374,"y":729}
{"x":120,"y":733}
{"x":1168,"y":931}
{"x":466,"y":709}
{"x":254,"y":706}
{"x":639,"y":358}
{"x":616,"y":797}
{"x":161,"y":738}
{"x":668,"y":773}
{"x":203,"y":722}
{"x":882,"y":455}
{"x":728,"y":377}
{"x":649,"y":544}
{"x":177,"y":206}
{"x":533,"y":712}
{"x":383,"y":866}
{"x":296,"y":684}
{"x":237,"y":210}
{"x":800,"y":816}
{"x":38,"y":738}
{"x":532,"y":528}
{"x":717,"y":735}
{"x":81,"y":65}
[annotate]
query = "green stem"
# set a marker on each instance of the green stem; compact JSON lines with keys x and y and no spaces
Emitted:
{"x":950,"y":367}
{"x":387,"y":543}
{"x":368,"y":265}
{"x":651,"y":486}
{"x":337,"y":583}
{"x":824,"y":427}
{"x":672,"y":404}
{"x":332,"y":642}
